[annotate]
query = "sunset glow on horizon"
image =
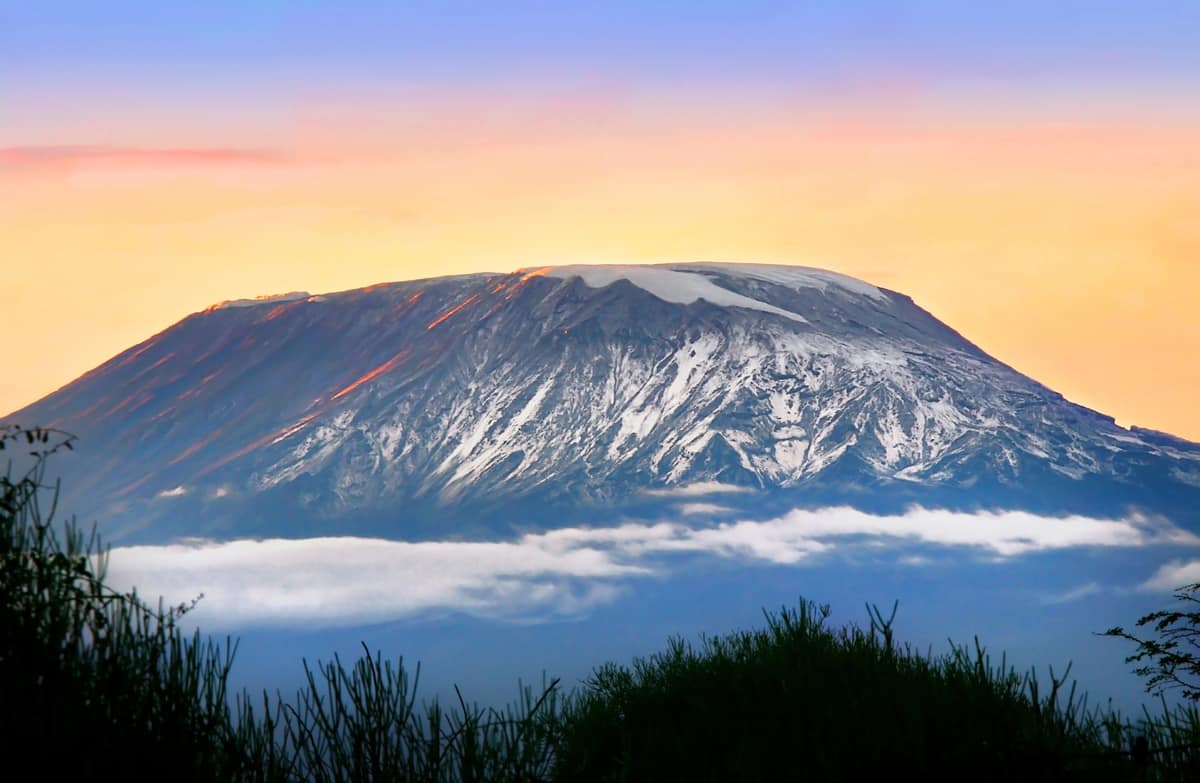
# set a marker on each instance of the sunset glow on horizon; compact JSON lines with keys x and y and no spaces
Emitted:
{"x":1044,"y":202}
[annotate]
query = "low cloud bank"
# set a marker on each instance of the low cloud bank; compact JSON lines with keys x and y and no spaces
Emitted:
{"x":335,"y":581}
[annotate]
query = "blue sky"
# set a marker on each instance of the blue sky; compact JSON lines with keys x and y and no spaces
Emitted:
{"x":1015,"y":46}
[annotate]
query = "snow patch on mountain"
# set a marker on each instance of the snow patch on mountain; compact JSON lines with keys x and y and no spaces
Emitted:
{"x":795,"y":277}
{"x":668,"y":285}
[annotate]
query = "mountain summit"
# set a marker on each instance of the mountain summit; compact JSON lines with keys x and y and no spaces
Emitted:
{"x":461,"y":404}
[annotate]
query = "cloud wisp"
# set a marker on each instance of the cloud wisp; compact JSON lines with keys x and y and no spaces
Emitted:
{"x":697,"y":490}
{"x":564,"y":572}
{"x":703,"y":509}
{"x":66,"y":155}
{"x":1072,"y":595}
{"x":1171,"y":576}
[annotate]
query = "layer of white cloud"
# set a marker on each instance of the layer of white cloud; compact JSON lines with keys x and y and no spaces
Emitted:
{"x":702,"y":509}
{"x":566,"y":571}
{"x":173,"y":493}
{"x":1172,"y":576}
{"x":1006,"y":533}
{"x":362,"y":580}
{"x":699,"y":489}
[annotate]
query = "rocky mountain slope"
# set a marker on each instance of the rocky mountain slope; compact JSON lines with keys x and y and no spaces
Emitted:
{"x":458,"y":405}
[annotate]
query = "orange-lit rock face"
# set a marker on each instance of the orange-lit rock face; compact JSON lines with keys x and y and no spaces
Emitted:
{"x":215,"y":436}
{"x":453,"y":311}
{"x":199,"y":387}
{"x":129,"y":404}
{"x":193,"y":449}
{"x":133,"y":357}
{"x":515,"y":288}
{"x":266,"y":440}
{"x":367,"y":377}
{"x":161,"y":362}
{"x":535,"y":273}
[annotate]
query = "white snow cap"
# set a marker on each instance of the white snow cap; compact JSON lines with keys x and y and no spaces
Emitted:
{"x":686,"y":283}
{"x":792,"y":276}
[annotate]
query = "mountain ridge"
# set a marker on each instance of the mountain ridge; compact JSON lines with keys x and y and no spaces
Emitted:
{"x":483,"y":400}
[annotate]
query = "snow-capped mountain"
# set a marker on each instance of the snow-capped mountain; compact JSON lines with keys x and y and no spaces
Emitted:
{"x":458,"y":404}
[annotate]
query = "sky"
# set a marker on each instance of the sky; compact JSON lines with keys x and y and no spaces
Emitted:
{"x":1026,"y":171}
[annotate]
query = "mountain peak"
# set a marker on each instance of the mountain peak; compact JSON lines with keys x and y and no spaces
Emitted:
{"x":570,"y":391}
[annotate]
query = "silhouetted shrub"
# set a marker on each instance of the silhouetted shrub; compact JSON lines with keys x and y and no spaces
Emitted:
{"x":93,"y":681}
{"x":800,"y":701}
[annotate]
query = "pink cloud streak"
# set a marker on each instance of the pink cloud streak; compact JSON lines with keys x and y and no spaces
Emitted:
{"x":54,"y":156}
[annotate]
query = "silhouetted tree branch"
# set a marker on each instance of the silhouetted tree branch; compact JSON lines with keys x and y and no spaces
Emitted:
{"x":1173,"y":659}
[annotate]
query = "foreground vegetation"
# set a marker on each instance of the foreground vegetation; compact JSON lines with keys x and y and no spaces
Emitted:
{"x":99,"y":684}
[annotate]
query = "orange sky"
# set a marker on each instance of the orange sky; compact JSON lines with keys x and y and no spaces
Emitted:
{"x":1070,"y":250}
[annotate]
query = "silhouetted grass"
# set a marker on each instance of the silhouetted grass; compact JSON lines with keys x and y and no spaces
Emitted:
{"x":799,"y":701}
{"x":97,"y":684}
{"x":92,"y":680}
